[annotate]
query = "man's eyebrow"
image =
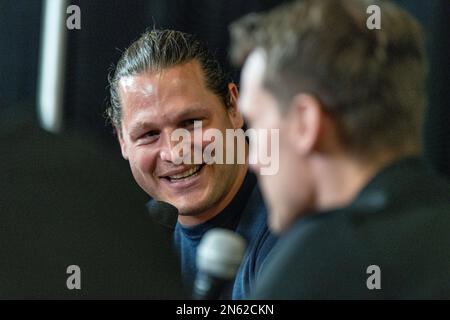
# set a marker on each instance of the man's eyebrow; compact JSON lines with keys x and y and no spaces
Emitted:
{"x":190,"y":110}
{"x":140,"y":125}
{"x":186,"y":112}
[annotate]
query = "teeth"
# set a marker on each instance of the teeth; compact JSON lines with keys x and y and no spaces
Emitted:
{"x":186,"y":173}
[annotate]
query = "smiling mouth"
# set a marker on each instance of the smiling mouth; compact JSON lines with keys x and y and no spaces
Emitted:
{"x":192,"y":172}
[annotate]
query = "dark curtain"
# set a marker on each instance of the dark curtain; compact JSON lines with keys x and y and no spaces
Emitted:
{"x":109,"y":26}
{"x":20,"y":23}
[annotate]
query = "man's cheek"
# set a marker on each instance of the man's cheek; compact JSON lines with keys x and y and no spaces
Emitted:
{"x":145,"y":161}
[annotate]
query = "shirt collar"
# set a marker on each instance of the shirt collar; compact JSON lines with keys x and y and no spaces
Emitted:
{"x":229,"y":217}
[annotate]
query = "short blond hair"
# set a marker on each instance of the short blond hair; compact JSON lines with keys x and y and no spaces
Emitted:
{"x":371,"y":82}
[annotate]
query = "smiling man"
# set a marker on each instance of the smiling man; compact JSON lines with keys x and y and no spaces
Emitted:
{"x":166,"y":81}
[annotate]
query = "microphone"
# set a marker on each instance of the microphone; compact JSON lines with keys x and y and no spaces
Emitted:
{"x":219,"y":256}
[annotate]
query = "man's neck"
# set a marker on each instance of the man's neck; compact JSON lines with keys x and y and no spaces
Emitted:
{"x":341,"y":179}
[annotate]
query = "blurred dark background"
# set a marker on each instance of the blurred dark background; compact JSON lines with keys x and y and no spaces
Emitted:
{"x":109,"y":26}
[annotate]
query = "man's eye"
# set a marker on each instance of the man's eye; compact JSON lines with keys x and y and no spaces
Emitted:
{"x":151,"y":135}
{"x":189,"y":123}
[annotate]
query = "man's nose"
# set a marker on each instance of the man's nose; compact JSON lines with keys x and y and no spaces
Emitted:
{"x":165,"y":151}
{"x":168,"y":150}
{"x":165,"y":155}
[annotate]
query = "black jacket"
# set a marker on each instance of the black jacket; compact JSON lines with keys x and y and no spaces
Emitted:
{"x":399,"y":222}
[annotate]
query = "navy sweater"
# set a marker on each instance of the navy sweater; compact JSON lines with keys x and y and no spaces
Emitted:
{"x":246,"y":215}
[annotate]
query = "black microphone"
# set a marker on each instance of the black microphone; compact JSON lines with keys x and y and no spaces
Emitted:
{"x":219,"y":256}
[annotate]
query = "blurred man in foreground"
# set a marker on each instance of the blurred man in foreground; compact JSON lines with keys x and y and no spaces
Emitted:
{"x":361,"y":216}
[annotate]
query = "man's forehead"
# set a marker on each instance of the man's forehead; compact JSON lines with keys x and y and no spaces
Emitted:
{"x":136,"y":84}
{"x":176,"y":112}
{"x":180,"y":76}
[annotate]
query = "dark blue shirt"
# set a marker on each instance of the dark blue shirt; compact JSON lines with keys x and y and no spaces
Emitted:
{"x":246,"y":215}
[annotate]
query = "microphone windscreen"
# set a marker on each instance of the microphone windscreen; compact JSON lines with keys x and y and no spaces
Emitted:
{"x":220,"y":253}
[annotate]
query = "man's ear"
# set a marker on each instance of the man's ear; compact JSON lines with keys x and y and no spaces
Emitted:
{"x":305,"y":118}
{"x":123,"y":146}
{"x":235,"y":115}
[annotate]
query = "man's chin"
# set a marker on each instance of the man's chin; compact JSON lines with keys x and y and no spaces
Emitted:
{"x":190,"y":210}
{"x":191,"y":202}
